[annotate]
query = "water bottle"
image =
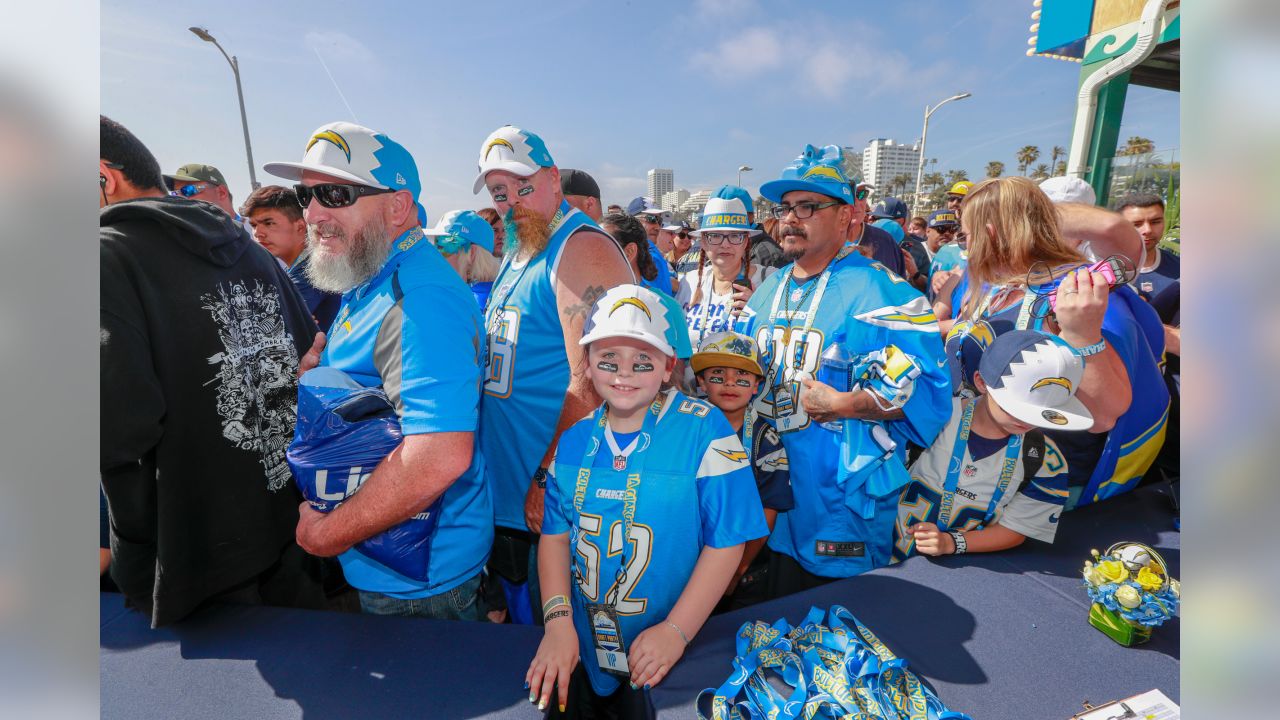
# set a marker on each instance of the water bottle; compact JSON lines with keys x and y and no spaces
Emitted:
{"x":835,"y":368}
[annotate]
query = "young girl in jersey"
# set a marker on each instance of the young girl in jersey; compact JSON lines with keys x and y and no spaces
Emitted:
{"x":648,"y":506}
{"x":991,"y":479}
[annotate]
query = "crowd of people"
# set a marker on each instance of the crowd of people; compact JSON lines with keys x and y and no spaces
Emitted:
{"x":612,"y":422}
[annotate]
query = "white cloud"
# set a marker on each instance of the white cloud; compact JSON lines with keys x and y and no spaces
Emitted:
{"x":339,"y":46}
{"x":749,"y":51}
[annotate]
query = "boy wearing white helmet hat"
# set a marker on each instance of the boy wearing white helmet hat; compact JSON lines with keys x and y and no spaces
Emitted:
{"x":648,"y":506}
{"x":991,"y":479}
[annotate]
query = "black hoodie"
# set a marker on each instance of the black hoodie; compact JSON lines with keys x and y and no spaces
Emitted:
{"x":200,"y":339}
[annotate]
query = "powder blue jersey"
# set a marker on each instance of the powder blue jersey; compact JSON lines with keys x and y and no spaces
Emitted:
{"x":694,"y":488}
{"x":414,"y":330}
{"x":842,"y":522}
{"x":526,"y":371}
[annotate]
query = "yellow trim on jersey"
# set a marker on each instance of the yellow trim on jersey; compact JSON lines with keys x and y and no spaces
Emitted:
{"x":1136,"y":457}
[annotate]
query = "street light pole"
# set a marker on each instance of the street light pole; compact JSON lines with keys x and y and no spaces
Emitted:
{"x":244,"y":120}
{"x":742,"y":169}
{"x":924,"y":136}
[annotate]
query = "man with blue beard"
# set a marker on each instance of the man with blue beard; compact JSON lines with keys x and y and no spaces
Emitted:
{"x":535,"y":383}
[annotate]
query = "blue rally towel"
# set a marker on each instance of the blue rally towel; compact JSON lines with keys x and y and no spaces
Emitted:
{"x":836,"y":669}
{"x":343,"y":431}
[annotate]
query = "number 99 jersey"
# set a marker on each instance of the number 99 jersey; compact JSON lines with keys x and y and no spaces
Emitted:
{"x":696,"y":488}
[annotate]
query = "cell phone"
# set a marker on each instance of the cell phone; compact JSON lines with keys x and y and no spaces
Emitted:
{"x":743,"y":280}
{"x":1117,"y":269}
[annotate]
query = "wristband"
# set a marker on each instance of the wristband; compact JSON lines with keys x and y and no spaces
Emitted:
{"x":1093,"y":349}
{"x":540,"y":478}
{"x":683,"y":637}
{"x":961,"y":544}
{"x":554,"y":602}
{"x":557,"y":614}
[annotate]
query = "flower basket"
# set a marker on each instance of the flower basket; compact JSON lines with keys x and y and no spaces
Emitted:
{"x":1132,"y":592}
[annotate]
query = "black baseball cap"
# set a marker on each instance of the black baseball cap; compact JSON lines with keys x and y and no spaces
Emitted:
{"x":578,"y":182}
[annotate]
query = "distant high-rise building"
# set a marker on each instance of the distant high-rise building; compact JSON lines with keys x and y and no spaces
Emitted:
{"x":693,"y":205}
{"x":884,"y":159}
{"x":853,"y":160}
{"x":671,"y":201}
{"x":661,"y":182}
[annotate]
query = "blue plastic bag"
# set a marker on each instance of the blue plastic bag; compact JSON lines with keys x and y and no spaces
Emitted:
{"x":343,"y":431}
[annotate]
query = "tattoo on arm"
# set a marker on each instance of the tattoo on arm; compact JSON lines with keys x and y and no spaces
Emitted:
{"x":589,"y":298}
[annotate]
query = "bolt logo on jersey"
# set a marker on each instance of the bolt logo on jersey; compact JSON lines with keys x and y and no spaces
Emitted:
{"x":682,"y":481}
{"x":331,"y":137}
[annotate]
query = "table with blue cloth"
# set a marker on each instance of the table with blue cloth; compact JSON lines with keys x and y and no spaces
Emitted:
{"x":1002,"y":635}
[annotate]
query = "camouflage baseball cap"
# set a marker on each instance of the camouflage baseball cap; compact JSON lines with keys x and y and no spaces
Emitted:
{"x":198,"y":172}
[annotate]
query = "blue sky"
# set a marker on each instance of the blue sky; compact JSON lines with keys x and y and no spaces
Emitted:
{"x":613,"y":87}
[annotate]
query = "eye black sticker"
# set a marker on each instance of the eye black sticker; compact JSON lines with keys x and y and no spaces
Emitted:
{"x":642,"y":367}
{"x":524,"y":190}
{"x":715,"y":379}
{"x":607,"y":366}
{"x":499,"y":197}
{"x":742,"y":382}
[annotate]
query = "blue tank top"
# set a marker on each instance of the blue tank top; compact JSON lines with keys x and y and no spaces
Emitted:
{"x":526,"y":370}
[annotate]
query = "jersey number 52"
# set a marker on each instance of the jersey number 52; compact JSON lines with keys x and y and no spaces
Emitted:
{"x":588,"y":549}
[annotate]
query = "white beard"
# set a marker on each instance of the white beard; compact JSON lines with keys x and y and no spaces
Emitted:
{"x":367,"y":251}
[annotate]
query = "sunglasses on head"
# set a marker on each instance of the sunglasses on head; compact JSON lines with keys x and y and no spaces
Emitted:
{"x":861,"y":193}
{"x":450,"y":244}
{"x":335,"y":195}
{"x":192,"y":189}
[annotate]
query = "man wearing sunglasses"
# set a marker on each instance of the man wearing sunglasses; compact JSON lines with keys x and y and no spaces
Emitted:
{"x":558,"y":264}
{"x":842,"y":523}
{"x":652,"y":218}
{"x":197,"y":181}
{"x":276,"y":218}
{"x":409,"y":325}
{"x":199,"y":346}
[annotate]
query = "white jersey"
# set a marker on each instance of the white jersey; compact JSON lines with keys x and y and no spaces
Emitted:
{"x":1031,"y":509}
{"x":711,"y":314}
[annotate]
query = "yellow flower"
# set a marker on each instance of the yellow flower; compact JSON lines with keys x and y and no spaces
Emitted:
{"x":1150,"y":581}
{"x":1112,"y":571}
{"x":1128,"y":597}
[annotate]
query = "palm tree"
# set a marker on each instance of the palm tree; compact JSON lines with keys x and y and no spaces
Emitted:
{"x":1060,"y":168}
{"x":932,"y":181}
{"x":1027,"y":155}
{"x":955,"y":176}
{"x":900,"y":182}
{"x":1137,"y":145}
{"x":995,"y":169}
{"x":1041,"y":172}
{"x":1057,"y":153}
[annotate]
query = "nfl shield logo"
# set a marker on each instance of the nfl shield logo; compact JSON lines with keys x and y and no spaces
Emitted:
{"x":619,"y":462}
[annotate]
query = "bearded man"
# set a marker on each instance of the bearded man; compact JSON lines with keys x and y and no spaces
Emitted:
{"x":410,"y":326}
{"x":558,"y":263}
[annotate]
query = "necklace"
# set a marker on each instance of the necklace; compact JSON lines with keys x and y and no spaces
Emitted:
{"x":786,"y":303}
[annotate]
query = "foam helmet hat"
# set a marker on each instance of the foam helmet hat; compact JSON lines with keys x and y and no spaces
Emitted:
{"x":727,"y":349}
{"x":1034,"y":377}
{"x":356,"y":154}
{"x":519,"y":152}
{"x":631,"y":311}
{"x":643,"y":206}
{"x":816,"y":170}
{"x":729,"y":192}
{"x":961,"y":188}
{"x":721,"y":215}
{"x":466,"y":227}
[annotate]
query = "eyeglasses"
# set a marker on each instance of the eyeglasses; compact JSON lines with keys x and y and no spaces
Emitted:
{"x":718,"y":238}
{"x":651,"y":219}
{"x":802,"y":210}
{"x":192,"y":189}
{"x":335,"y":195}
{"x":682,"y":235}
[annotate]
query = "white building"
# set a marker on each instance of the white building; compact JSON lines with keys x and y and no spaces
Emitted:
{"x":884,"y":159}
{"x":693,"y":205}
{"x":661,"y":182}
{"x":672,"y":201}
{"x":853,"y":160}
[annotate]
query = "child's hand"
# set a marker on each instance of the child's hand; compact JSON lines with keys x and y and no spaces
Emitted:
{"x":931,"y":541}
{"x":553,"y":664}
{"x":653,"y":654}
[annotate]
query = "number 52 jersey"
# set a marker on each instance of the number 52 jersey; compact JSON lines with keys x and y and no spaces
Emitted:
{"x":696,"y":488}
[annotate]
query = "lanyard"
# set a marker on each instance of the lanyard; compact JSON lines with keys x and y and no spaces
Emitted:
{"x":707,"y":297}
{"x":629,"y":497}
{"x":493,"y":310}
{"x":958,"y":453}
{"x":1024,"y":312}
{"x":748,"y":430}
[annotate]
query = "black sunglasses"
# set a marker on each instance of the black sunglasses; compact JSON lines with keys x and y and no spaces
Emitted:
{"x":650,"y":219}
{"x":682,"y":235}
{"x":335,"y":195}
